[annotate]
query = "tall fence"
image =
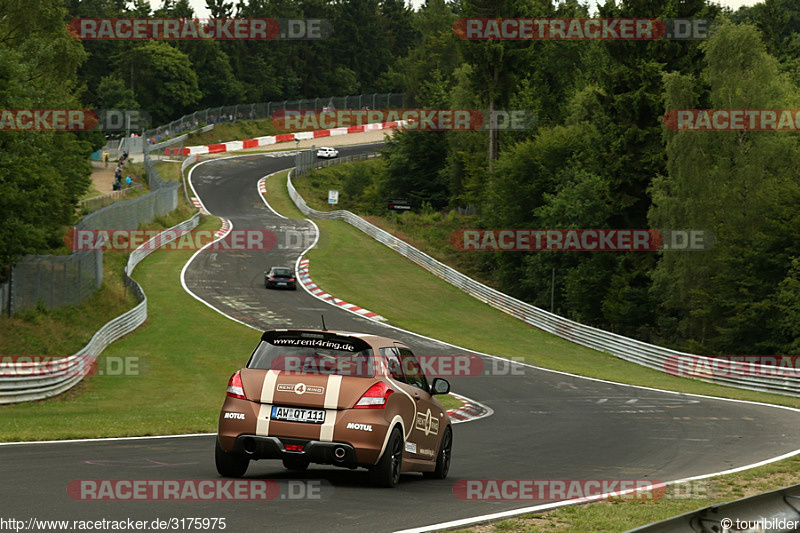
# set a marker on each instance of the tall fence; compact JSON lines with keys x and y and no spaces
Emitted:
{"x":763,"y":378}
{"x":56,"y":281}
{"x":99,"y":202}
{"x":234,"y":113}
{"x":306,"y":160}
{"x":28,"y":381}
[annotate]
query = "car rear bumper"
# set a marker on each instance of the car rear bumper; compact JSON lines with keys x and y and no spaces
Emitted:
{"x":286,"y":284}
{"x":329,"y":453}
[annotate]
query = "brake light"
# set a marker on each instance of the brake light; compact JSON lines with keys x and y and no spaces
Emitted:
{"x":375,"y":397}
{"x":271,"y":278}
{"x":291,"y":279}
{"x":235,"y":387}
{"x":294,"y":447}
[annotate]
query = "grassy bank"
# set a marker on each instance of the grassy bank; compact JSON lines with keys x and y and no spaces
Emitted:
{"x":338,"y":265}
{"x":185,"y":350}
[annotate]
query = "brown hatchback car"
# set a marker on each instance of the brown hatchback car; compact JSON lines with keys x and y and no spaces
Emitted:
{"x":336,"y":398}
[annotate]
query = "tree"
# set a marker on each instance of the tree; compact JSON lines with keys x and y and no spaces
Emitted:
{"x":163,"y":80}
{"x":39,"y":70}
{"x":743,"y":187}
{"x":113,"y":94}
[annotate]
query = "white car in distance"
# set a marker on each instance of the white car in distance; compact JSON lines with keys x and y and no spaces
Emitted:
{"x":327,"y":152}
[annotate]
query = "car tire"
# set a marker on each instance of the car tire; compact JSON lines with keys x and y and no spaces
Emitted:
{"x":386,"y":473}
{"x":295,"y":463}
{"x":230,"y":464}
{"x":443,"y":459}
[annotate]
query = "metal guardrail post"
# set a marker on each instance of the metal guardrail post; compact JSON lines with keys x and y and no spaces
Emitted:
{"x":780,"y":507}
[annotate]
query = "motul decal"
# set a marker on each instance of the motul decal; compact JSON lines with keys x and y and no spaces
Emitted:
{"x":362,"y":427}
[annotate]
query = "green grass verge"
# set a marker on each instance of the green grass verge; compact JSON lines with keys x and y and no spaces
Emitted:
{"x":65,"y":330}
{"x":613,"y":516}
{"x":189,"y":352}
{"x":230,"y":131}
{"x":169,"y":170}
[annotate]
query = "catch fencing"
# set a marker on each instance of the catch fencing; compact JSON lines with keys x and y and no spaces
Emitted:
{"x":59,"y":280}
{"x":235,"y":113}
{"x":25,"y":381}
{"x":99,"y":202}
{"x":759,"y":377}
{"x":307,"y":160}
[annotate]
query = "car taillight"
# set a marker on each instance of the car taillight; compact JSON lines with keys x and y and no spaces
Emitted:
{"x":271,"y":278}
{"x":375,"y":397}
{"x":235,"y":387}
{"x":291,"y":279}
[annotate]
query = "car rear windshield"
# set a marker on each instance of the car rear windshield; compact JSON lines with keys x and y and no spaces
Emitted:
{"x":312,"y":356}
{"x":282,"y":272}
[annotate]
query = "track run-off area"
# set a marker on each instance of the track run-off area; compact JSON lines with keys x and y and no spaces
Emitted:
{"x":545,"y":425}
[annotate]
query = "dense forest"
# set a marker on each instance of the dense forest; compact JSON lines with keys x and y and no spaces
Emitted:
{"x":600,"y":157}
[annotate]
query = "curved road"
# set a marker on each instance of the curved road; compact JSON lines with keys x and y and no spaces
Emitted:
{"x":546,"y":425}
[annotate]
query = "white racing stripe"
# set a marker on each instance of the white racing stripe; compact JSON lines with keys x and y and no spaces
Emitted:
{"x":331,"y":402}
{"x":326,"y":429}
{"x":268,"y":389}
{"x":332,"y":392}
{"x":262,"y":422}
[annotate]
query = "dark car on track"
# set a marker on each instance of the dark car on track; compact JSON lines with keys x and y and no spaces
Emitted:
{"x":337,"y":398}
{"x":282,"y":277}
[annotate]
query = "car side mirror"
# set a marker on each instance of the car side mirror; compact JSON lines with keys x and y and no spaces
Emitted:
{"x":440,"y":386}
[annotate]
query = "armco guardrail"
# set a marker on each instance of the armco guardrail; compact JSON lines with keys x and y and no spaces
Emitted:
{"x":777,"y":512}
{"x":22,"y":382}
{"x":756,"y":377}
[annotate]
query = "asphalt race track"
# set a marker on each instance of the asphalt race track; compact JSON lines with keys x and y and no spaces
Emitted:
{"x":545,"y":425}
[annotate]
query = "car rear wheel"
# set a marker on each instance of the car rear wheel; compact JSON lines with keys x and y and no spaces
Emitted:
{"x":293,"y":463}
{"x":387,"y":472}
{"x":230,"y":464}
{"x":443,"y":459}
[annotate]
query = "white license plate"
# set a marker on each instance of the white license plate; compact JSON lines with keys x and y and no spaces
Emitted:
{"x":281,"y":283}
{"x":298,"y":414}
